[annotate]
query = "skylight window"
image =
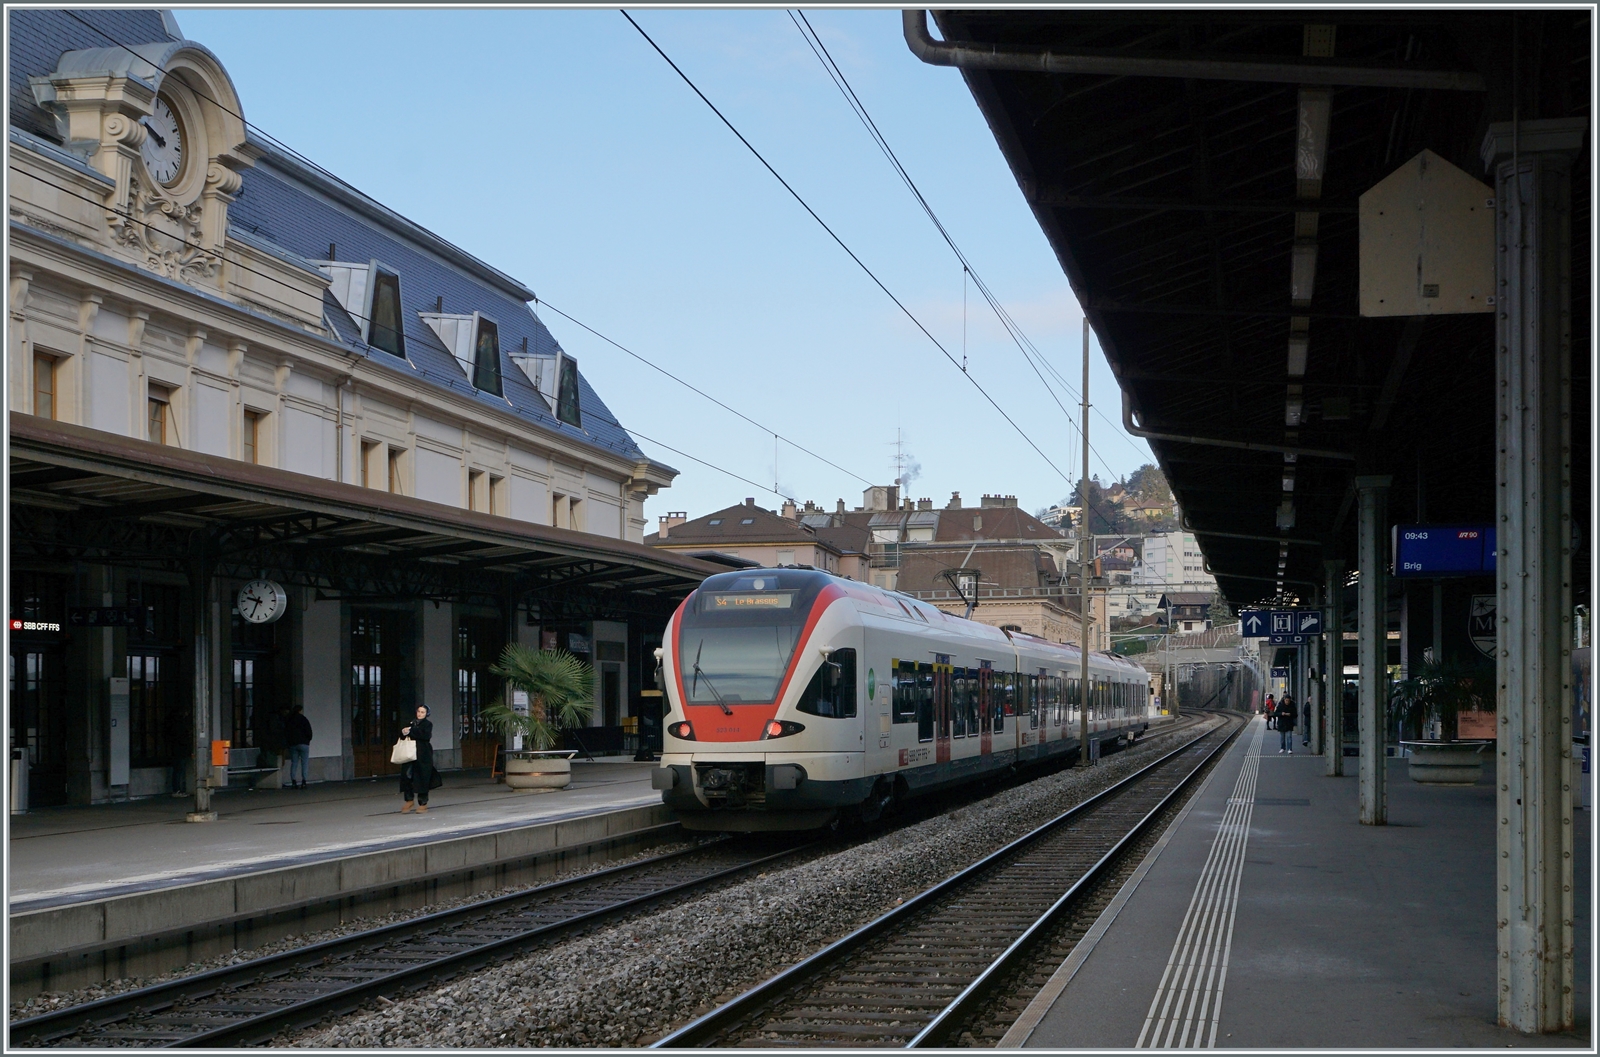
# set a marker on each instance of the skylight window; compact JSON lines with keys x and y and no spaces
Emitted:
{"x":714,"y":521}
{"x":747,"y":521}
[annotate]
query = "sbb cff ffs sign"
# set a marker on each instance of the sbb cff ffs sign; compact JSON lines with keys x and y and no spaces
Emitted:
{"x":1443,"y":550}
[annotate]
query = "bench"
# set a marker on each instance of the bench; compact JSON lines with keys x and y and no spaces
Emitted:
{"x":244,"y":764}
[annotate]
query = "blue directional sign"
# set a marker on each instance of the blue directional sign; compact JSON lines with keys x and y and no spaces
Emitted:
{"x":1278,"y":624}
{"x":1288,"y":640}
{"x":1443,"y":550}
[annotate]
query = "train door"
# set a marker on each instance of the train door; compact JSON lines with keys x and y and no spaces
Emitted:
{"x":986,"y":697}
{"x":941,"y":708}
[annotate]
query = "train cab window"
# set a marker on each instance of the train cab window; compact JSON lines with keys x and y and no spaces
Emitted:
{"x":832,"y":691}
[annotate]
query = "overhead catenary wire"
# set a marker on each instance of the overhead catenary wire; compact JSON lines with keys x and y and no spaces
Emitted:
{"x":303,"y":159}
{"x":1012,"y":328}
{"x":603,"y":417}
{"x":844,"y":246}
{"x":696,"y":389}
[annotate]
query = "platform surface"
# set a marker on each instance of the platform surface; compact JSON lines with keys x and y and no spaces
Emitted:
{"x":62,"y":855}
{"x":1333,"y":934}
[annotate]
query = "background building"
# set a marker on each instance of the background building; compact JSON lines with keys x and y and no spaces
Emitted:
{"x":225,"y":365}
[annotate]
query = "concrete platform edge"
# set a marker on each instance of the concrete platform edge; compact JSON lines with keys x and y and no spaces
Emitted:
{"x":1016,"y":1037}
{"x":38,"y":933}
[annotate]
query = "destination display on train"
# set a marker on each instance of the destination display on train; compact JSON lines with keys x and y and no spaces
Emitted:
{"x":1443,"y":550}
{"x":751,"y":600}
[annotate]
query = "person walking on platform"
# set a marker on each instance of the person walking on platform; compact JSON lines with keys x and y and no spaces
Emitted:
{"x":418,"y":777}
{"x":297,"y":734}
{"x":1266,"y":710}
{"x":1286,"y":717}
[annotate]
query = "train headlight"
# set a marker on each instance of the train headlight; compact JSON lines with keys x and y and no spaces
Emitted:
{"x":781,"y":728}
{"x":682,"y":731}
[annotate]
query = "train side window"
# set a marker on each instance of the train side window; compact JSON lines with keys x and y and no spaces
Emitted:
{"x":924,"y":702}
{"x":962,"y":698}
{"x":1001,"y":695}
{"x":832,"y":691}
{"x":905,"y":692}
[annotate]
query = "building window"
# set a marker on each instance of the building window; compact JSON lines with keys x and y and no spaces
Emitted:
{"x":567,"y":409}
{"x":497,"y":496}
{"x":486,"y":357}
{"x":395,"y":484}
{"x":474,"y":488}
{"x":386,"y":331}
{"x":369,"y":455}
{"x":250,"y":437}
{"x":786,"y":557}
{"x":44,"y":385}
{"x":159,"y":411}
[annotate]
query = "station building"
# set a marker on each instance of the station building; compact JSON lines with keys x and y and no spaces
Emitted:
{"x":273,"y":444}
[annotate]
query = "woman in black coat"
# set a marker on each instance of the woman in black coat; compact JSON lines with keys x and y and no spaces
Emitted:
{"x":1286,"y":714}
{"x":419,"y":777}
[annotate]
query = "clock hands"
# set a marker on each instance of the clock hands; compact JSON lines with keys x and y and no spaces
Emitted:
{"x":160,"y":140}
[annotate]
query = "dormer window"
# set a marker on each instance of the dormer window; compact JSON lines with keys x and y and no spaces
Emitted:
{"x":385,"y":330}
{"x":370,"y":292}
{"x":475,"y":343}
{"x":567,"y":409}
{"x":486,"y":356}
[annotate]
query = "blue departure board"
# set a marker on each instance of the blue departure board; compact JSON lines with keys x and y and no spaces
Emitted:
{"x":1443,"y":550}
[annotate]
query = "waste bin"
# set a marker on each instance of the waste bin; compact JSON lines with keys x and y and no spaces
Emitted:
{"x":19,"y":781}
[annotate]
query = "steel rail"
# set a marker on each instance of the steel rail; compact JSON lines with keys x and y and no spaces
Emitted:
{"x":91,"y":1018}
{"x":964,"y":1003}
{"x":700,"y":1032}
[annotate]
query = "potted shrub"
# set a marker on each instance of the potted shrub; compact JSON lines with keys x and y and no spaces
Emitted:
{"x":1428,"y":703}
{"x":560,"y":691}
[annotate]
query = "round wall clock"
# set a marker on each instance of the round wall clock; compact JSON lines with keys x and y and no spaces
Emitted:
{"x":262,"y":601}
{"x":163,"y":142}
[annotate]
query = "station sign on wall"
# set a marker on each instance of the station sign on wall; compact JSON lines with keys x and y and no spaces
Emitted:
{"x":1443,"y":550}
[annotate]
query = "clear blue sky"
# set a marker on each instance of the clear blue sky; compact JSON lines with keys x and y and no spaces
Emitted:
{"x":557,"y":146}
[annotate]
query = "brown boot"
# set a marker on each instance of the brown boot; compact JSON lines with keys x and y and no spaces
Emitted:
{"x":409,"y":807}
{"x":422,"y":809}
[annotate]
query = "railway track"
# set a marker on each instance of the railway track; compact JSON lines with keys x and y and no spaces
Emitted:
{"x":253,"y":1001}
{"x":933,"y":971}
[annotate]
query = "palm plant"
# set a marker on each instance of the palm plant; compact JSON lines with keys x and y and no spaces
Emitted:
{"x":560,"y":691}
{"x":1441,"y":691}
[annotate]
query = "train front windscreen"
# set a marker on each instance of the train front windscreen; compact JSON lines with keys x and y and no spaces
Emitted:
{"x":738,"y":634}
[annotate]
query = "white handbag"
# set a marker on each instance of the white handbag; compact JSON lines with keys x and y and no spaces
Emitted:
{"x":405,"y":751}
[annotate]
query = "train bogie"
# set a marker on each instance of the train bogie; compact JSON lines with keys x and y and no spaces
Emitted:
{"x":796,"y":697}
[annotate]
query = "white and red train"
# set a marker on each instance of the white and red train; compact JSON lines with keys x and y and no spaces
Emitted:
{"x":795,"y":697}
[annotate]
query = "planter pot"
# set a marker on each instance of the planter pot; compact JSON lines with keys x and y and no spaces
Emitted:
{"x":538,"y":772}
{"x":1447,"y":762}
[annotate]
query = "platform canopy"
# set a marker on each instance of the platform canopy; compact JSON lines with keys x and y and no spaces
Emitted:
{"x":82,"y":494}
{"x":1199,"y":173}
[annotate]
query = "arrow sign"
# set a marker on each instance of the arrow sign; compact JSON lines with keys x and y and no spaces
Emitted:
{"x":1253,"y":622}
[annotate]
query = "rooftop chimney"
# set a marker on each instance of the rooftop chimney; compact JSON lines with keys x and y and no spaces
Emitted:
{"x":839,"y":507}
{"x":750,"y":501}
{"x":924,"y":504}
{"x":955,"y":501}
{"x":788,"y":510}
{"x":674,"y":517}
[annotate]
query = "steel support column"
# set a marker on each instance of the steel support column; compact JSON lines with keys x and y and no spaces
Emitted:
{"x":203,"y":583}
{"x":1315,"y":698}
{"x":1333,"y":668}
{"x":1372,"y":495}
{"x":1532,"y":163}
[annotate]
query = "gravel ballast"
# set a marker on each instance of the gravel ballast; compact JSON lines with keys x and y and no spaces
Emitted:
{"x":629,"y":983}
{"x":49,"y":1001}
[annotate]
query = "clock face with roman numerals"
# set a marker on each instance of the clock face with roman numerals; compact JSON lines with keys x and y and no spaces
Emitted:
{"x":163,"y":143}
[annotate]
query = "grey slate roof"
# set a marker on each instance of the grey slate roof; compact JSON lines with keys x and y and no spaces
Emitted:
{"x":294,"y":210}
